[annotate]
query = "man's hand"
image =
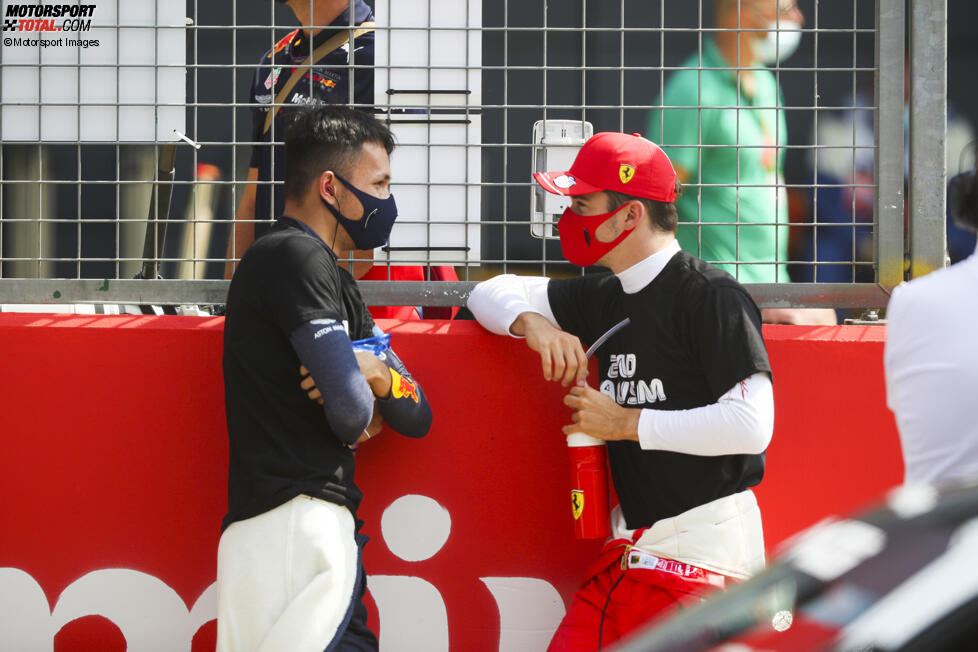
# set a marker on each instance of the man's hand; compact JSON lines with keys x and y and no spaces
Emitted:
{"x":376,"y":425}
{"x":598,"y":415}
{"x":377,"y":373}
{"x":309,"y":385}
{"x":561,"y":353}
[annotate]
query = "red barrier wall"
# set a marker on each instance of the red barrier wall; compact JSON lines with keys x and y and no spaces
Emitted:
{"x":114,"y":457}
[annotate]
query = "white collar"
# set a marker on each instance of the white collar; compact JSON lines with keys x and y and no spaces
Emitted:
{"x":644,"y":272}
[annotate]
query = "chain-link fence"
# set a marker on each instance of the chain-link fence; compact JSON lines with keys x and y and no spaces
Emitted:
{"x":136,"y":139}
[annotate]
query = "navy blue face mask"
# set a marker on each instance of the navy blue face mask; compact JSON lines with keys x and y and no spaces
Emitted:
{"x":374,"y":228}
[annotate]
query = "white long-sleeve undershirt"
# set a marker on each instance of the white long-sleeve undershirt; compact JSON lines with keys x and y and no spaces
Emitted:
{"x":497,"y":303}
{"x":740,"y":422}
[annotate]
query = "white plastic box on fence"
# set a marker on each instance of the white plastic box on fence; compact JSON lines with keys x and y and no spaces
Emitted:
{"x":555,"y":146}
{"x":131,"y":87}
{"x":428,"y":75}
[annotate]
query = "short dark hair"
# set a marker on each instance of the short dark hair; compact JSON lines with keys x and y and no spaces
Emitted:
{"x":663,"y":215}
{"x":327,"y":137}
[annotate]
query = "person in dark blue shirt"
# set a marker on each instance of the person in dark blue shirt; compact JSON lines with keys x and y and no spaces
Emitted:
{"x":343,"y":74}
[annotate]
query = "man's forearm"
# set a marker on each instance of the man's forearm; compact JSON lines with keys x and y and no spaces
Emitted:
{"x":405,"y":408}
{"x":243,"y":228}
{"x":498,"y":302}
{"x":741,"y":422}
{"x":526,"y":321}
{"x":323,"y":347}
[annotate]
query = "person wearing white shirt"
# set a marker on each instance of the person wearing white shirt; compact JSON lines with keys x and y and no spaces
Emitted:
{"x":931,"y":361}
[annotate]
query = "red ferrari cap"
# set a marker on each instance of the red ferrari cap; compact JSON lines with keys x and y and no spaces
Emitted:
{"x":624,"y":163}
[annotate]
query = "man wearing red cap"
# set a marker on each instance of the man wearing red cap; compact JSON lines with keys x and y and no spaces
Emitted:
{"x":685,"y":401}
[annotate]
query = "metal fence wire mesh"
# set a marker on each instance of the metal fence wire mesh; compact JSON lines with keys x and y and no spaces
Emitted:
{"x":129,"y":145}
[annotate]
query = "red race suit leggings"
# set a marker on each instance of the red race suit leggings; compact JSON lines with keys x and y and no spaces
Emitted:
{"x":625,"y":589}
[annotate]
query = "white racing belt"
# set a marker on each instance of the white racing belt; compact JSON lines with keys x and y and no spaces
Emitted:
{"x":723,"y":536}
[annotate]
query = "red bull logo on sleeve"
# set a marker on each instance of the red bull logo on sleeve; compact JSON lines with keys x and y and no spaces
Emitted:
{"x":284,"y":41}
{"x":402,"y":386}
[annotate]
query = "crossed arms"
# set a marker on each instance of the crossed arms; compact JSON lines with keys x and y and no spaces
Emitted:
{"x":359,"y":391}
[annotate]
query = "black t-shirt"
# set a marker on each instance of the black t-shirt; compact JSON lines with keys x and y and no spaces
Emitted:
{"x":328,"y":82}
{"x":280,"y":443}
{"x":694,"y":334}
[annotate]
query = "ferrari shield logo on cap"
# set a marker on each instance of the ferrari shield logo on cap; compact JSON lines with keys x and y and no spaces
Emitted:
{"x":626,"y":172}
{"x":577,"y":503}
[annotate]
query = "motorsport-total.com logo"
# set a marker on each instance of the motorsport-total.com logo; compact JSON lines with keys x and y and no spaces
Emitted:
{"x":23,"y":17}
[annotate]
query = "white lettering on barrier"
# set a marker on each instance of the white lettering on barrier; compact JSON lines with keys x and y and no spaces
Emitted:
{"x":529,"y":612}
{"x":415,"y":527}
{"x":412,"y":612}
{"x":153,"y":618}
{"x":123,"y":596}
{"x":25,"y":617}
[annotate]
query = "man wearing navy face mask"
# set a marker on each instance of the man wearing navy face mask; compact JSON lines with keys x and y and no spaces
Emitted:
{"x":289,"y":569}
{"x":683,"y":398}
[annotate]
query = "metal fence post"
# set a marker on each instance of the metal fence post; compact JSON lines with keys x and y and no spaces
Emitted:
{"x":928,"y":135}
{"x":890,"y":71}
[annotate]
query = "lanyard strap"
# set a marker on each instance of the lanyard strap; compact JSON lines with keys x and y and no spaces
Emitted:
{"x":329,"y":46}
{"x":305,"y":227}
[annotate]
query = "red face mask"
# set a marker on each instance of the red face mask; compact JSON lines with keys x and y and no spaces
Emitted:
{"x":577,"y":241}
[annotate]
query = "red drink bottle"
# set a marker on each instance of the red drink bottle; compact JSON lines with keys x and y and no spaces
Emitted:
{"x":589,"y":486}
